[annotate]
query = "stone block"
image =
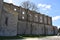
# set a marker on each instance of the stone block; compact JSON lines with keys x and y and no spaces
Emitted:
{"x":49,"y":29}
{"x":21,"y":28}
{"x":35,"y":28}
{"x":41,"y":29}
{"x":29,"y":28}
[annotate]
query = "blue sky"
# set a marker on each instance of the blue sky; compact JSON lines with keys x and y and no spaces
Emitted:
{"x":47,"y":7}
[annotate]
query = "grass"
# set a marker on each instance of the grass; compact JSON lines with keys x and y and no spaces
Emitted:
{"x":11,"y":37}
{"x":32,"y":36}
{"x":22,"y":36}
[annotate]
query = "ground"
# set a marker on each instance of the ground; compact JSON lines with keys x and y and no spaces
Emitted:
{"x":44,"y":38}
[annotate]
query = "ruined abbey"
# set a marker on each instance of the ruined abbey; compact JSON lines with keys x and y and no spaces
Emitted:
{"x":15,"y":21}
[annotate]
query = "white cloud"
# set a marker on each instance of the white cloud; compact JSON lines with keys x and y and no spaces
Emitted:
{"x":44,"y":6}
{"x":55,"y":18}
{"x":41,"y":5}
{"x":9,"y":1}
{"x":48,"y":6}
{"x":58,"y":26}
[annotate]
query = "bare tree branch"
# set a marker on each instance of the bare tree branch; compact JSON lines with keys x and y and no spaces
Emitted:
{"x":29,"y":5}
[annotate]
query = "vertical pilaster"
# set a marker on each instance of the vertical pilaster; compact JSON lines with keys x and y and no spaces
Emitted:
{"x":1,"y":4}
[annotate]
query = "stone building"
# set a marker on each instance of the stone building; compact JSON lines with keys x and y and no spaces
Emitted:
{"x":14,"y":20}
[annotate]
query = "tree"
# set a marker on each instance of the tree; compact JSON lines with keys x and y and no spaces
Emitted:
{"x":59,"y":30}
{"x":29,"y":5}
{"x":33,"y":7}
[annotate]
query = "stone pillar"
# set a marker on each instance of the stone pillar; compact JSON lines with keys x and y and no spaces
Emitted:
{"x":1,"y":3}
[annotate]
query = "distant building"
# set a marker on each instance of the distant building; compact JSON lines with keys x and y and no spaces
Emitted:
{"x":15,"y":21}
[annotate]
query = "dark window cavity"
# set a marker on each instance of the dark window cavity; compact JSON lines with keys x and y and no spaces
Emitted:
{"x":6,"y":21}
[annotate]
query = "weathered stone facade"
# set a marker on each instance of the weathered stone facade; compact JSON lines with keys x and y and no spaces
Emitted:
{"x":15,"y":20}
{"x":8,"y":24}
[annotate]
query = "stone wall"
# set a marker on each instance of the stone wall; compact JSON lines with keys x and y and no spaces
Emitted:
{"x":41,"y":29}
{"x":21,"y":27}
{"x":8,"y":23}
{"x":45,"y":19}
{"x":55,"y":29}
{"x":35,"y":29}
{"x":29,"y":28}
{"x":49,"y":20}
{"x":49,"y":29}
{"x":17,"y":20}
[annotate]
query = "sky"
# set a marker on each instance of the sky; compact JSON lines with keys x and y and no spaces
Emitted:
{"x":47,"y":7}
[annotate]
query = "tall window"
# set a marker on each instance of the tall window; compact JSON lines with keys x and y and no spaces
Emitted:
{"x":22,"y":17}
{"x":15,"y":9}
{"x":23,"y":12}
{"x":41,"y":19}
{"x":6,"y":21}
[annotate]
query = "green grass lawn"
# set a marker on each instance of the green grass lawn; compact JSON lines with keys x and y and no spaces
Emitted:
{"x":22,"y":36}
{"x":11,"y":37}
